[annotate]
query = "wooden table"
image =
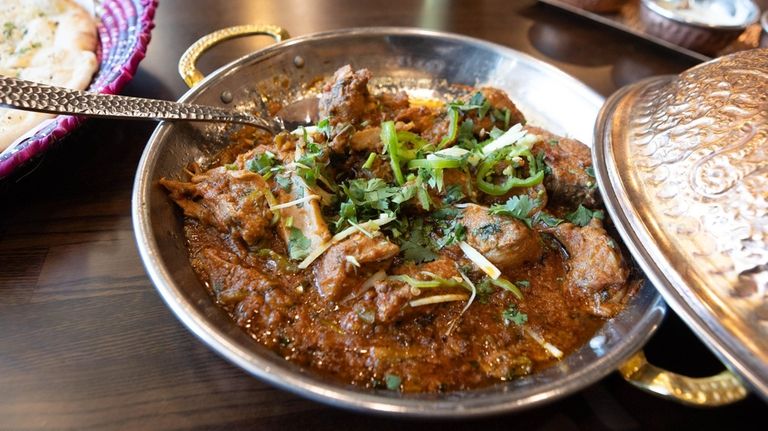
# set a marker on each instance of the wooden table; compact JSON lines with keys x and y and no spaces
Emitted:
{"x":87,"y":343}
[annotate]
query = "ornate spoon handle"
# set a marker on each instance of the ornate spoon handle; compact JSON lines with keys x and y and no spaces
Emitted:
{"x":31,"y":96}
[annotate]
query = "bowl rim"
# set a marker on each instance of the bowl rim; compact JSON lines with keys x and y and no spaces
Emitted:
{"x":326,"y":392}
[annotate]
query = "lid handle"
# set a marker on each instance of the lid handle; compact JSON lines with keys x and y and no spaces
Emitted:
{"x":718,"y":390}
{"x":188,"y":61}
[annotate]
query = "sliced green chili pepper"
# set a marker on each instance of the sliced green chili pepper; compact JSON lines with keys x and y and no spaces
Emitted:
{"x":389,"y":138}
{"x":369,"y":162}
{"x":415,"y":140}
{"x":453,"y":127}
{"x":434,"y":163}
{"x":507,"y":285}
{"x":536,"y":177}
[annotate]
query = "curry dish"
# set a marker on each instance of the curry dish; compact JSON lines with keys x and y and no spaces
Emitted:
{"x":411,"y":245}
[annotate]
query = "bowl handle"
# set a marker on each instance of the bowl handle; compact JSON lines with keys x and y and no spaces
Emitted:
{"x":718,"y":390}
{"x":188,"y":61}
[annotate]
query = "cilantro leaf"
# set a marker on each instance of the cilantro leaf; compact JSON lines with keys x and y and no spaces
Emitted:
{"x":519,"y":207}
{"x":453,"y":194}
{"x":416,"y":252}
{"x":455,"y":232}
{"x":298,"y":244}
{"x":547,"y":219}
{"x":392,"y":381}
{"x":284,"y":183}
{"x":513,"y":315}
{"x":590,"y":170}
{"x":484,"y":290}
{"x":324,"y":127}
{"x":261,"y":163}
{"x":582,"y":216}
{"x":487,"y":231}
{"x":416,"y":246}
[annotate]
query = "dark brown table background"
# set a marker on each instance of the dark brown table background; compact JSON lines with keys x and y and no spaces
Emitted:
{"x":87,"y":343}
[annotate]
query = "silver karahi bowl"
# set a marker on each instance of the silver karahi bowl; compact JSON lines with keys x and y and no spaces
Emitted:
{"x":416,"y":61}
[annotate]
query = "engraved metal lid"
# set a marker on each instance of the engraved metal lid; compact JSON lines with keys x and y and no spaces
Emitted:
{"x":682,"y":162}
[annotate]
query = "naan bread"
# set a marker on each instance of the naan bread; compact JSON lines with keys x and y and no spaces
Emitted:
{"x":47,"y":41}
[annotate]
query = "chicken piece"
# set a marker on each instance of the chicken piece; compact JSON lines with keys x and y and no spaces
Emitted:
{"x":306,"y":220}
{"x":597,"y":274}
{"x":368,"y":140}
{"x":568,"y":181}
{"x":505,"y":241}
{"x":421,"y":118}
{"x":337,"y":273}
{"x":346,"y":98}
{"x":392,"y":103}
{"x":225,"y":269}
{"x":456,"y":183}
{"x":232,"y":201}
{"x":498,"y":100}
{"x":392,"y":296}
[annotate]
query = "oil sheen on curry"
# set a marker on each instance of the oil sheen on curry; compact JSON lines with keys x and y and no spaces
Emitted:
{"x":403,"y":244}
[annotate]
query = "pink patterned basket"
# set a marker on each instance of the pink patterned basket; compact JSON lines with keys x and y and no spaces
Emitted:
{"x":124,"y":32}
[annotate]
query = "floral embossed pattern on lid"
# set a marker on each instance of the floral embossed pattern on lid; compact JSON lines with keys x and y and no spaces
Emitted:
{"x":683,"y":165}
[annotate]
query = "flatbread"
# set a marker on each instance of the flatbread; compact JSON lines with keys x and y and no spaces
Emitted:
{"x":47,"y":41}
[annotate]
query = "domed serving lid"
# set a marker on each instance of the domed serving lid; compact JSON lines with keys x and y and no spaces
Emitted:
{"x":682,"y":162}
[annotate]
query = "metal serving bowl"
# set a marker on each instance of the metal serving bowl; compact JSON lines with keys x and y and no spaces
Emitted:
{"x":419,"y":62}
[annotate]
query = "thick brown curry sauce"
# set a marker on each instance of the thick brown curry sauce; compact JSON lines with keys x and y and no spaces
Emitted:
{"x":374,"y":337}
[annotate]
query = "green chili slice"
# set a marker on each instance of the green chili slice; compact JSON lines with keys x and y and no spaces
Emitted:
{"x":434,"y":163}
{"x":536,"y":176}
{"x":507,"y":285}
{"x":453,"y":127}
{"x":416,"y":141}
{"x":389,"y":139}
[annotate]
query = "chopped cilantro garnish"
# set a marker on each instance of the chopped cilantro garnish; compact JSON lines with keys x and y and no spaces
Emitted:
{"x":8,"y":29}
{"x":519,"y":207}
{"x":324,"y":127}
{"x":513,"y":315}
{"x":541,"y":164}
{"x":298,"y":244}
{"x":455,"y":232}
{"x":284,"y":182}
{"x":582,"y":216}
{"x":487,"y":231}
{"x":484,"y":290}
{"x":392,"y":381}
{"x":590,"y":170}
{"x":347,"y":211}
{"x":453,"y":194}
{"x":445,"y":213}
{"x":547,"y":219}
{"x":261,"y":163}
{"x":523,"y":283}
{"x":416,"y":246}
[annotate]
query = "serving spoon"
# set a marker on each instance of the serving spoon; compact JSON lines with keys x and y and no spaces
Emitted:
{"x":30,"y":96}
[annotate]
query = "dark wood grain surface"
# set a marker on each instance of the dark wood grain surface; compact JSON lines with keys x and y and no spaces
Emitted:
{"x":86,"y":342}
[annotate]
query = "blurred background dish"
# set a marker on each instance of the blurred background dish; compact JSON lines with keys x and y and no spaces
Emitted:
{"x":599,"y":6}
{"x":706,"y":26}
{"x":123,"y":31}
